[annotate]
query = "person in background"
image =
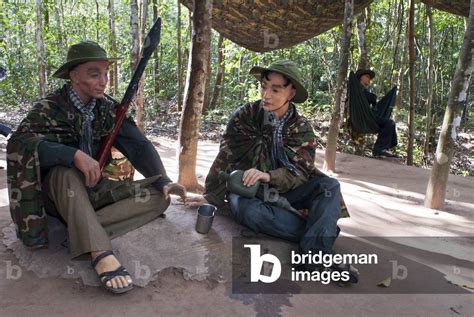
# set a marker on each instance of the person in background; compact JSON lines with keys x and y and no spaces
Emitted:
{"x":387,"y":135}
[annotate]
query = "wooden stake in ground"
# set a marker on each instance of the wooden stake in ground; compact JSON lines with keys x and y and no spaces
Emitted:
{"x":194,"y":94}
{"x":331,"y":146}
{"x":436,"y":191}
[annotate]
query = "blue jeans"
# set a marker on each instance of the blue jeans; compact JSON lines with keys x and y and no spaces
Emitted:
{"x":320,"y":195}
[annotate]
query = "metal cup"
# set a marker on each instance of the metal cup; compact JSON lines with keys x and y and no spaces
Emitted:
{"x":205,"y":216}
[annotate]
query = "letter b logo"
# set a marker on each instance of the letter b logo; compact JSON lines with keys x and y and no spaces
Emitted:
{"x":258,"y":261}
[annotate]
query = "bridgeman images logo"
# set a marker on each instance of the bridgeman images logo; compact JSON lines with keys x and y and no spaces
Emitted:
{"x":259,"y":262}
{"x":267,"y":267}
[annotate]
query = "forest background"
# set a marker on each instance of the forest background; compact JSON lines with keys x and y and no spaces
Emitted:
{"x":35,"y":35}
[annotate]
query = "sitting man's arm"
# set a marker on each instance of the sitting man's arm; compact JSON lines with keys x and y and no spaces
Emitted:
{"x":53,"y":153}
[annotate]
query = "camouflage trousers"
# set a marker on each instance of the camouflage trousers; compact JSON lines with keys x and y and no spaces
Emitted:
{"x":90,"y":229}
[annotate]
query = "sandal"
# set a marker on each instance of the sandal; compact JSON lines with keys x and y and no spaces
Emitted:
{"x":107,"y":276}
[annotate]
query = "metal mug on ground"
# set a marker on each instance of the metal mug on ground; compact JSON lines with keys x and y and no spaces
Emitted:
{"x":205,"y":216}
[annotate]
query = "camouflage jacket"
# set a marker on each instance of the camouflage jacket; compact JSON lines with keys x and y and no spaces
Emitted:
{"x":247,"y":142}
{"x":52,"y":119}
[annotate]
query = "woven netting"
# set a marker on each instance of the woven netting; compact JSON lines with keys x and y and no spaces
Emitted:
{"x":262,"y":26}
{"x":459,"y":7}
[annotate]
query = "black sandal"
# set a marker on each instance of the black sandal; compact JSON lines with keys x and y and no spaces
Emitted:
{"x":107,"y":276}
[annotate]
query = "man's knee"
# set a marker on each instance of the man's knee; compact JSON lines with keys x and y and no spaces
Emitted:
{"x":331,"y":184}
{"x":239,"y":212}
{"x":62,"y":172}
{"x":234,"y":203}
{"x":155,"y":200}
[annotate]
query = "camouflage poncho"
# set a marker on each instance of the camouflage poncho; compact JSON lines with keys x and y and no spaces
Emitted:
{"x":52,"y":119}
{"x":247,"y":142}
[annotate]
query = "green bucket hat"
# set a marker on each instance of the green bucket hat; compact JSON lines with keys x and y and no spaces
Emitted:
{"x":79,"y":53}
{"x":361,"y":72}
{"x":290,"y":70}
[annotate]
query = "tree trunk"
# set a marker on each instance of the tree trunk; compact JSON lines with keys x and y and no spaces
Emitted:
{"x":331,"y":146}
{"x":363,"y":61}
{"x":396,"y":44}
{"x":411,"y":81}
{"x":194,"y":94}
{"x":113,"y":72}
{"x":135,"y":35}
{"x":97,"y":20}
{"x":241,"y":77}
{"x":139,"y":102}
{"x":156,"y":72}
{"x":135,"y":57}
{"x":180,"y":59}
{"x":59,"y":25}
{"x":361,"y":27}
{"x":429,"y":79}
{"x":208,"y":84}
{"x":40,"y":50}
{"x":61,"y":9}
{"x":220,"y":72}
{"x":436,"y":191}
{"x":190,"y":26}
{"x":398,"y":100}
{"x":46,"y":27}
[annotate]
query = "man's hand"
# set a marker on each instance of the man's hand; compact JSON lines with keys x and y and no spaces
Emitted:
{"x":175,"y":189}
{"x":89,"y":167}
{"x":196,"y":201}
{"x":251,"y":176}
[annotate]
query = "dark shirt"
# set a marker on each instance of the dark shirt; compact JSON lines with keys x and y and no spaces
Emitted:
{"x":130,"y":141}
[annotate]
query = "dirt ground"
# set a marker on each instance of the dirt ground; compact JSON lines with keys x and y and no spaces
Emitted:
{"x":385,"y":199}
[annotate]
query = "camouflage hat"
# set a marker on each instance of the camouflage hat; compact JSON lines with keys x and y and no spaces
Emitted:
{"x":82,"y":52}
{"x":361,"y":72}
{"x":288,"y":69}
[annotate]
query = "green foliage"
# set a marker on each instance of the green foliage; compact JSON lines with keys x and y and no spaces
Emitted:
{"x":71,"y":21}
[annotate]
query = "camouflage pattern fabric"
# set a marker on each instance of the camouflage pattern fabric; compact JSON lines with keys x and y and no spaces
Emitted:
{"x":108,"y":191}
{"x":52,"y":119}
{"x":119,"y":168}
{"x":247,"y":142}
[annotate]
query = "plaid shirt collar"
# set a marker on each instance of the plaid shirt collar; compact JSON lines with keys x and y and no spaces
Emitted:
{"x":279,"y":157}
{"x":86,"y":110}
{"x":85,"y":142}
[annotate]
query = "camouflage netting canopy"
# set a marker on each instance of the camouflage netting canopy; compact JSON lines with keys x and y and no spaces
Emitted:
{"x":265,"y":25}
{"x":459,"y":7}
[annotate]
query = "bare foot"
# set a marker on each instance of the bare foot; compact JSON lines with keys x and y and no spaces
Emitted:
{"x":110,"y":263}
{"x":195,"y":201}
{"x":175,"y":189}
